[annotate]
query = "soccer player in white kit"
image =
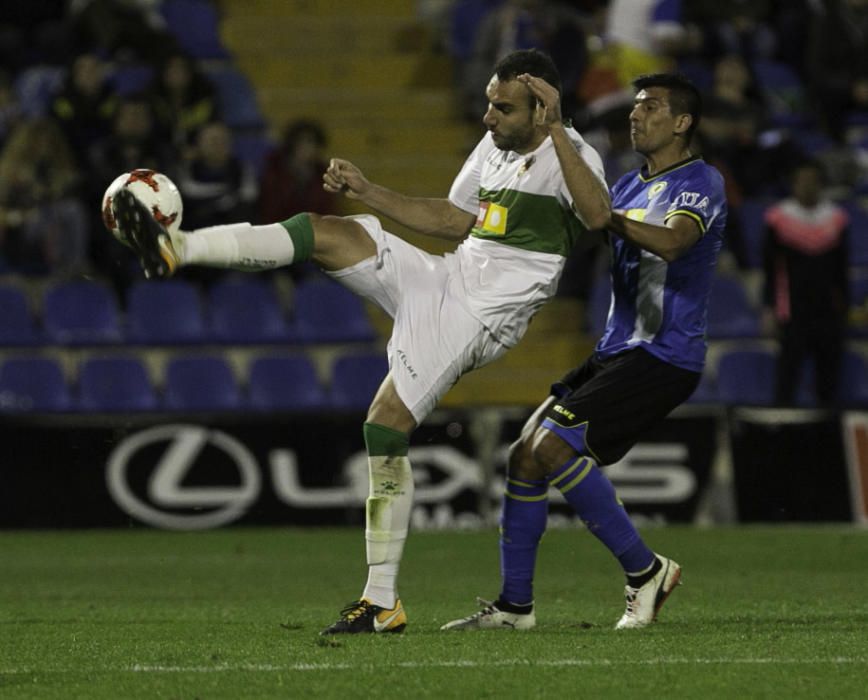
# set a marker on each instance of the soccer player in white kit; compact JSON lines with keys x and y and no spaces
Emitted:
{"x":526,"y":194}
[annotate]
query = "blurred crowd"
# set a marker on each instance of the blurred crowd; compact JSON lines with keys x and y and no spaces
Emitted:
{"x":90,"y":89}
{"x":783,"y":80}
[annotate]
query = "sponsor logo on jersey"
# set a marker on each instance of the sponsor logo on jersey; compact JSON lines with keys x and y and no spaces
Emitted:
{"x":492,"y":218}
{"x":635,"y":214}
{"x":690,"y":200}
{"x":656,"y":189}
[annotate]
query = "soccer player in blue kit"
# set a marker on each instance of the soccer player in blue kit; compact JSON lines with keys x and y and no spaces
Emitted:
{"x":666,"y":231}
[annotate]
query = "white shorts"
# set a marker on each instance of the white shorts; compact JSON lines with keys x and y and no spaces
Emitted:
{"x":434,"y":339}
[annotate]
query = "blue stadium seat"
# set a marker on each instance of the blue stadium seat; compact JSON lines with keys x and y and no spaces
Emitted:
{"x":326,"y":312}
{"x":196,"y":27}
{"x":747,"y":377}
{"x":706,"y":392}
{"x":165,"y":312}
{"x":33,"y":384}
{"x":730,"y":314}
{"x":236,"y":98}
{"x":783,"y":90}
{"x":81,"y":312}
{"x":18,"y":326}
{"x":110,"y":384}
{"x":751,"y":216}
{"x":355,"y":379}
{"x":852,"y":389}
{"x":281,"y":382}
{"x":200,"y":383}
{"x":858,"y":241}
{"x":246,"y":310}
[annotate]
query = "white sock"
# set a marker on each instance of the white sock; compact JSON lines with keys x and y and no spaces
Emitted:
{"x":387,"y":521}
{"x":241,"y":246}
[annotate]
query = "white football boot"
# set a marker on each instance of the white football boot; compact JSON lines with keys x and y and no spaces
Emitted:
{"x":492,"y":618}
{"x":644,"y":602}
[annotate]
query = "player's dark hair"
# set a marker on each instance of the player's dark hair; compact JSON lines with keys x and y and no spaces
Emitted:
{"x":684,"y":98}
{"x":531,"y":61}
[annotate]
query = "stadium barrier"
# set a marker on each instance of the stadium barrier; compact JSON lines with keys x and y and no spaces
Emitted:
{"x":213,"y":470}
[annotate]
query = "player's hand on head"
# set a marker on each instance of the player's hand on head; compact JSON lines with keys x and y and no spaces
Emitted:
{"x":548,"y":109}
{"x":341,"y":176}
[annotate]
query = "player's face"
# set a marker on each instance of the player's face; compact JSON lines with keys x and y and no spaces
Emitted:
{"x":652,"y":124}
{"x":509,"y":117}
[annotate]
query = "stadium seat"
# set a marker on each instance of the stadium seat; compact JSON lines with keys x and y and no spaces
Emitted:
{"x":730,"y":314}
{"x":246,"y":310}
{"x":132,"y":78}
{"x":284,"y":383}
{"x":751,"y":216}
{"x":18,"y":326}
{"x":858,"y":241}
{"x":196,"y":27}
{"x":165,"y":312}
{"x":852,"y":387}
{"x":236,"y":98}
{"x":200,"y":383}
{"x":110,"y":384}
{"x":355,"y":379}
{"x":706,"y":392}
{"x":326,"y":312}
{"x":33,"y":384}
{"x":747,"y":377}
{"x":783,"y":90}
{"x":80,"y":312}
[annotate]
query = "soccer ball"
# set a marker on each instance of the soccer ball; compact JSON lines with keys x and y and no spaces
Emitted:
{"x":155,"y":190}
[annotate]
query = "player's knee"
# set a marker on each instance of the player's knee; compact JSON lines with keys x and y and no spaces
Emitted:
{"x":521,"y":463}
{"x":550,"y":451}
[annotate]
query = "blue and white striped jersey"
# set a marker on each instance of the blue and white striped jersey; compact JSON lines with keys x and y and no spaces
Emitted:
{"x":656,"y":305}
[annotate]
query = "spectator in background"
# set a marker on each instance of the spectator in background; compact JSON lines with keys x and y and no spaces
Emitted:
{"x":743,"y":27}
{"x":292,"y":179}
{"x":837,"y":62}
{"x":44,"y":226}
{"x":85,"y":105}
{"x":10,"y":109}
{"x":124,"y":29}
{"x":806,"y":292}
{"x":216,"y":185}
{"x":133,"y":142}
{"x":184,"y":100}
{"x":553,"y":27}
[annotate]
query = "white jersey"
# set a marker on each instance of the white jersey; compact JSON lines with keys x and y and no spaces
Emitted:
{"x":526,"y":225}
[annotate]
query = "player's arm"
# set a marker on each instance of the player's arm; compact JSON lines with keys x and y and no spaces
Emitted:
{"x":669,"y":241}
{"x":438,"y":218}
{"x":590,"y":195}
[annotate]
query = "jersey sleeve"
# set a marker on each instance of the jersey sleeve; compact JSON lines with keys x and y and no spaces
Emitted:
{"x":701,"y":198}
{"x":464,"y":192}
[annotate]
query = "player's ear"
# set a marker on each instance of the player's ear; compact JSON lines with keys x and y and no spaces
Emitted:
{"x":539,"y":113}
{"x":682,"y":123}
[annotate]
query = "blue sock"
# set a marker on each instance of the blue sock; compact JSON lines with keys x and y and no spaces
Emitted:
{"x":593,"y":498}
{"x":525,"y":510}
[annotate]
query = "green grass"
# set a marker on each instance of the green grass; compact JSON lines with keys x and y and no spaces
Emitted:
{"x":770,"y":612}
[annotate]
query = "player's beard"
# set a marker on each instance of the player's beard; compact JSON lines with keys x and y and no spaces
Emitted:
{"x":517,"y":141}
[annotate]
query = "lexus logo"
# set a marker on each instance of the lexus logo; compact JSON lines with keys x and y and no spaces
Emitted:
{"x":151,"y":476}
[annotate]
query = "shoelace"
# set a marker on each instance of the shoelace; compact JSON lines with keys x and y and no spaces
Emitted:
{"x":355,"y":610}
{"x":488,"y":608}
{"x":630,"y":594}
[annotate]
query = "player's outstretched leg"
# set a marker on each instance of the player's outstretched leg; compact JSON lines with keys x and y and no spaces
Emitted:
{"x":149,"y":240}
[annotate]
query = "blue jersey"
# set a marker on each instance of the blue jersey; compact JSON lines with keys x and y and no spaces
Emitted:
{"x":656,"y":305}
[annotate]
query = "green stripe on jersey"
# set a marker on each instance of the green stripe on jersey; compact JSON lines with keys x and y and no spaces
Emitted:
{"x":529,"y":221}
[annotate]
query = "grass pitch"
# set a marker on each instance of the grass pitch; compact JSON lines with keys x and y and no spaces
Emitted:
{"x":763,"y":613}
